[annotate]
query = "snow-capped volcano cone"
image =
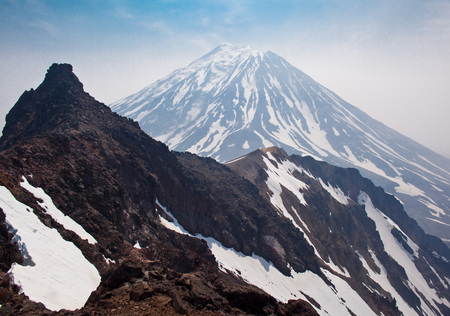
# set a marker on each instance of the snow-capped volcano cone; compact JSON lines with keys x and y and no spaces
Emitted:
{"x":235,"y":99}
{"x":228,"y":102}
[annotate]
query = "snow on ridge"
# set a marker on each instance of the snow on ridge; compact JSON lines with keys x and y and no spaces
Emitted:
{"x":55,"y":272}
{"x":335,"y":192}
{"x":382,"y":279}
{"x":417,"y":283}
{"x":443,"y":282}
{"x":55,"y":213}
{"x":282,"y":175}
{"x":258,"y":271}
{"x":234,"y":160}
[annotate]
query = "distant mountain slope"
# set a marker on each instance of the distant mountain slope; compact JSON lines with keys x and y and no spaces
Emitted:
{"x":235,"y":100}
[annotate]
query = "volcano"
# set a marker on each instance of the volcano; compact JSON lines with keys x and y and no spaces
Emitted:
{"x":235,"y":100}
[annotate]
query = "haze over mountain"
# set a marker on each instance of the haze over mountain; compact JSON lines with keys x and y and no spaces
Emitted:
{"x":85,"y":194}
{"x":235,"y":100}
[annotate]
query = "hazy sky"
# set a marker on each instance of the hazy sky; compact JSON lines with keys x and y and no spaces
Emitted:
{"x":389,"y":58}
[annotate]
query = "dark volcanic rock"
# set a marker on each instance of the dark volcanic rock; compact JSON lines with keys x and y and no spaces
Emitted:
{"x":245,"y":221}
{"x":105,"y":173}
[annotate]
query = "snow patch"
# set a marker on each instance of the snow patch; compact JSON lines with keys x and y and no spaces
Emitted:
{"x":417,"y":283}
{"x":338,"y":269}
{"x":335,"y":192}
{"x":55,"y":273}
{"x":282,"y":175}
{"x":55,"y":213}
{"x":364,"y":163}
{"x":440,"y":257}
{"x":432,"y":206}
{"x":108,"y":260}
{"x":336,"y":132}
{"x":437,"y":221}
{"x":266,"y":143}
{"x":407,"y":188}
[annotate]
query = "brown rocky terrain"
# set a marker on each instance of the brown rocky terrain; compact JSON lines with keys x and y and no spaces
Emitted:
{"x":106,"y":174}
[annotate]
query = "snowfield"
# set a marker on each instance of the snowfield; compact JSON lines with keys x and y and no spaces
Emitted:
{"x":55,"y":272}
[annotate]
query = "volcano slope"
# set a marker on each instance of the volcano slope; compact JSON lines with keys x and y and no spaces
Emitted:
{"x":357,"y":230}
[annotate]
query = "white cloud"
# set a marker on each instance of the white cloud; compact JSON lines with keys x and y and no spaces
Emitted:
{"x":46,"y":26}
{"x":122,"y":12}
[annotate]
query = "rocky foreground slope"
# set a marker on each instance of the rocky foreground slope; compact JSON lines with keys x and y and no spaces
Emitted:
{"x":107,"y":175}
{"x":159,"y":232}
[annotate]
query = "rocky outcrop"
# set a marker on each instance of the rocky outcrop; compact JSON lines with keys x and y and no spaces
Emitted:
{"x":105,"y":173}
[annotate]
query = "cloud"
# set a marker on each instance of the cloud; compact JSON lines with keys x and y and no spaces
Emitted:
{"x":156,"y":25}
{"x":235,"y":11}
{"x":122,"y":12}
{"x":46,"y":26}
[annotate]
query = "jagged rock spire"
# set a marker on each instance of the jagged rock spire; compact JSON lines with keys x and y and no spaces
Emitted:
{"x":61,"y":75}
{"x":39,"y":111}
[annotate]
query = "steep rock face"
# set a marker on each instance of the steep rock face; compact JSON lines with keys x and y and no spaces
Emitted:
{"x":242,"y":223}
{"x":108,"y":176}
{"x":236,"y":99}
{"x":358,"y":230}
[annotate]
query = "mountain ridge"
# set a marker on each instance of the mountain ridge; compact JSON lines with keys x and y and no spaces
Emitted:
{"x":106,"y":174}
{"x":327,"y":230}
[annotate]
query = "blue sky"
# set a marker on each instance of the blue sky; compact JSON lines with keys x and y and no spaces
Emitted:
{"x":389,"y":58}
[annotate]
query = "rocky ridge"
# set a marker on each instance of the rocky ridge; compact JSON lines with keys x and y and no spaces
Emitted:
{"x":106,"y":174}
{"x":347,"y":235}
